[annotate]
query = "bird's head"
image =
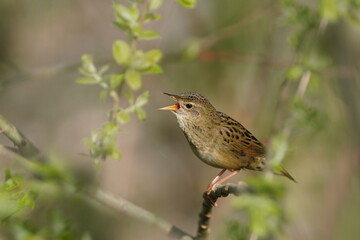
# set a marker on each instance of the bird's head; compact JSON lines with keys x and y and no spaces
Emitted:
{"x":190,"y":106}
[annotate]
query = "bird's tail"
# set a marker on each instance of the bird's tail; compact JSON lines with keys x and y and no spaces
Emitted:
{"x":282,"y":172}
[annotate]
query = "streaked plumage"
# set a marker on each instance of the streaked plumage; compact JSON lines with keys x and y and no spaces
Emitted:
{"x":216,"y":138}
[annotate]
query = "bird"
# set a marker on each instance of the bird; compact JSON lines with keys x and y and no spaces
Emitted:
{"x":217,"y":139}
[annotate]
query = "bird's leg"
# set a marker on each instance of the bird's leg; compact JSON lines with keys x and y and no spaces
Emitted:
{"x":221,"y":180}
{"x":234,"y":172}
{"x":217,"y":180}
{"x":214,"y":181}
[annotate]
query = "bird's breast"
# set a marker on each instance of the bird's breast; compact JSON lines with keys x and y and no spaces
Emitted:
{"x":205,"y":144}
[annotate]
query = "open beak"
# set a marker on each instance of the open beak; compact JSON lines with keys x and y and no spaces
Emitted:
{"x":174,"y":107}
{"x":171,"y":108}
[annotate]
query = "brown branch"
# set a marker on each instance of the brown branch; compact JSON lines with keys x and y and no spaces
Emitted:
{"x":222,"y":190}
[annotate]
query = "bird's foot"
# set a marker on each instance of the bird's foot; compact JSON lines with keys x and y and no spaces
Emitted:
{"x":211,"y":187}
{"x":207,"y":197}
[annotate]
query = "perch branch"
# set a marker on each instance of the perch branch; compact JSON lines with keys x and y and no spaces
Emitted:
{"x":222,"y":190}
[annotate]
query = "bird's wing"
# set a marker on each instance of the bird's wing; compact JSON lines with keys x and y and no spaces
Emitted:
{"x":240,"y":140}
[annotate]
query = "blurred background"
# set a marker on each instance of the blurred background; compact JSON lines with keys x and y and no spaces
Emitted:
{"x":239,"y":54}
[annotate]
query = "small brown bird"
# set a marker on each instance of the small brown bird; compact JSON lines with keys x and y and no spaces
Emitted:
{"x":217,"y":139}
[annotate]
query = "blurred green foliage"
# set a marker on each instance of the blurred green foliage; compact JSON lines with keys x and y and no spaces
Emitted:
{"x":134,"y":64}
{"x":43,"y":201}
{"x":264,"y":212}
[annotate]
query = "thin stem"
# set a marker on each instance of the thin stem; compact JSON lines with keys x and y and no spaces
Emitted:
{"x":115,"y":96}
{"x":134,"y":40}
{"x":304,"y":82}
{"x":145,"y":12}
{"x":229,"y":31}
{"x":144,"y":215}
{"x":24,"y":146}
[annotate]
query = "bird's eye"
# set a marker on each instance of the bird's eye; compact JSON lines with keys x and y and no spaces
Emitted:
{"x":188,"y":105}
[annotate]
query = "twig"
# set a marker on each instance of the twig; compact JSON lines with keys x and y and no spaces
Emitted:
{"x":304,"y":82}
{"x":25,"y":147}
{"x":144,"y":215}
{"x":222,"y":190}
{"x":226,"y":32}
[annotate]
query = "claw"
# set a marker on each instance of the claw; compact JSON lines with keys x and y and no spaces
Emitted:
{"x":208,"y":198}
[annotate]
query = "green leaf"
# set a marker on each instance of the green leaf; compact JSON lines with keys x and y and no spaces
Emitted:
{"x":295,"y":72}
{"x":102,"y":96}
{"x":148,"y":34}
{"x":123,"y":26}
{"x":85,"y":80}
{"x":155,"y":69}
{"x":122,"y":117}
{"x":121,"y":52}
{"x":140,"y":62}
{"x":126,"y":18}
{"x":115,"y":154}
{"x":155,"y":4}
{"x":26,"y":201}
{"x":144,"y":62}
{"x":88,"y":66}
{"x":123,"y":13}
{"x":90,"y":144}
{"x":142,"y":99}
{"x":7,"y":173}
{"x":110,"y":129}
{"x":115,"y":80}
{"x":103,"y":69}
{"x":153,"y":56}
{"x":133,"y":79}
{"x":134,"y":11}
{"x":152,"y":17}
{"x":129,"y":94}
{"x":187,"y":3}
{"x":140,"y":113}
